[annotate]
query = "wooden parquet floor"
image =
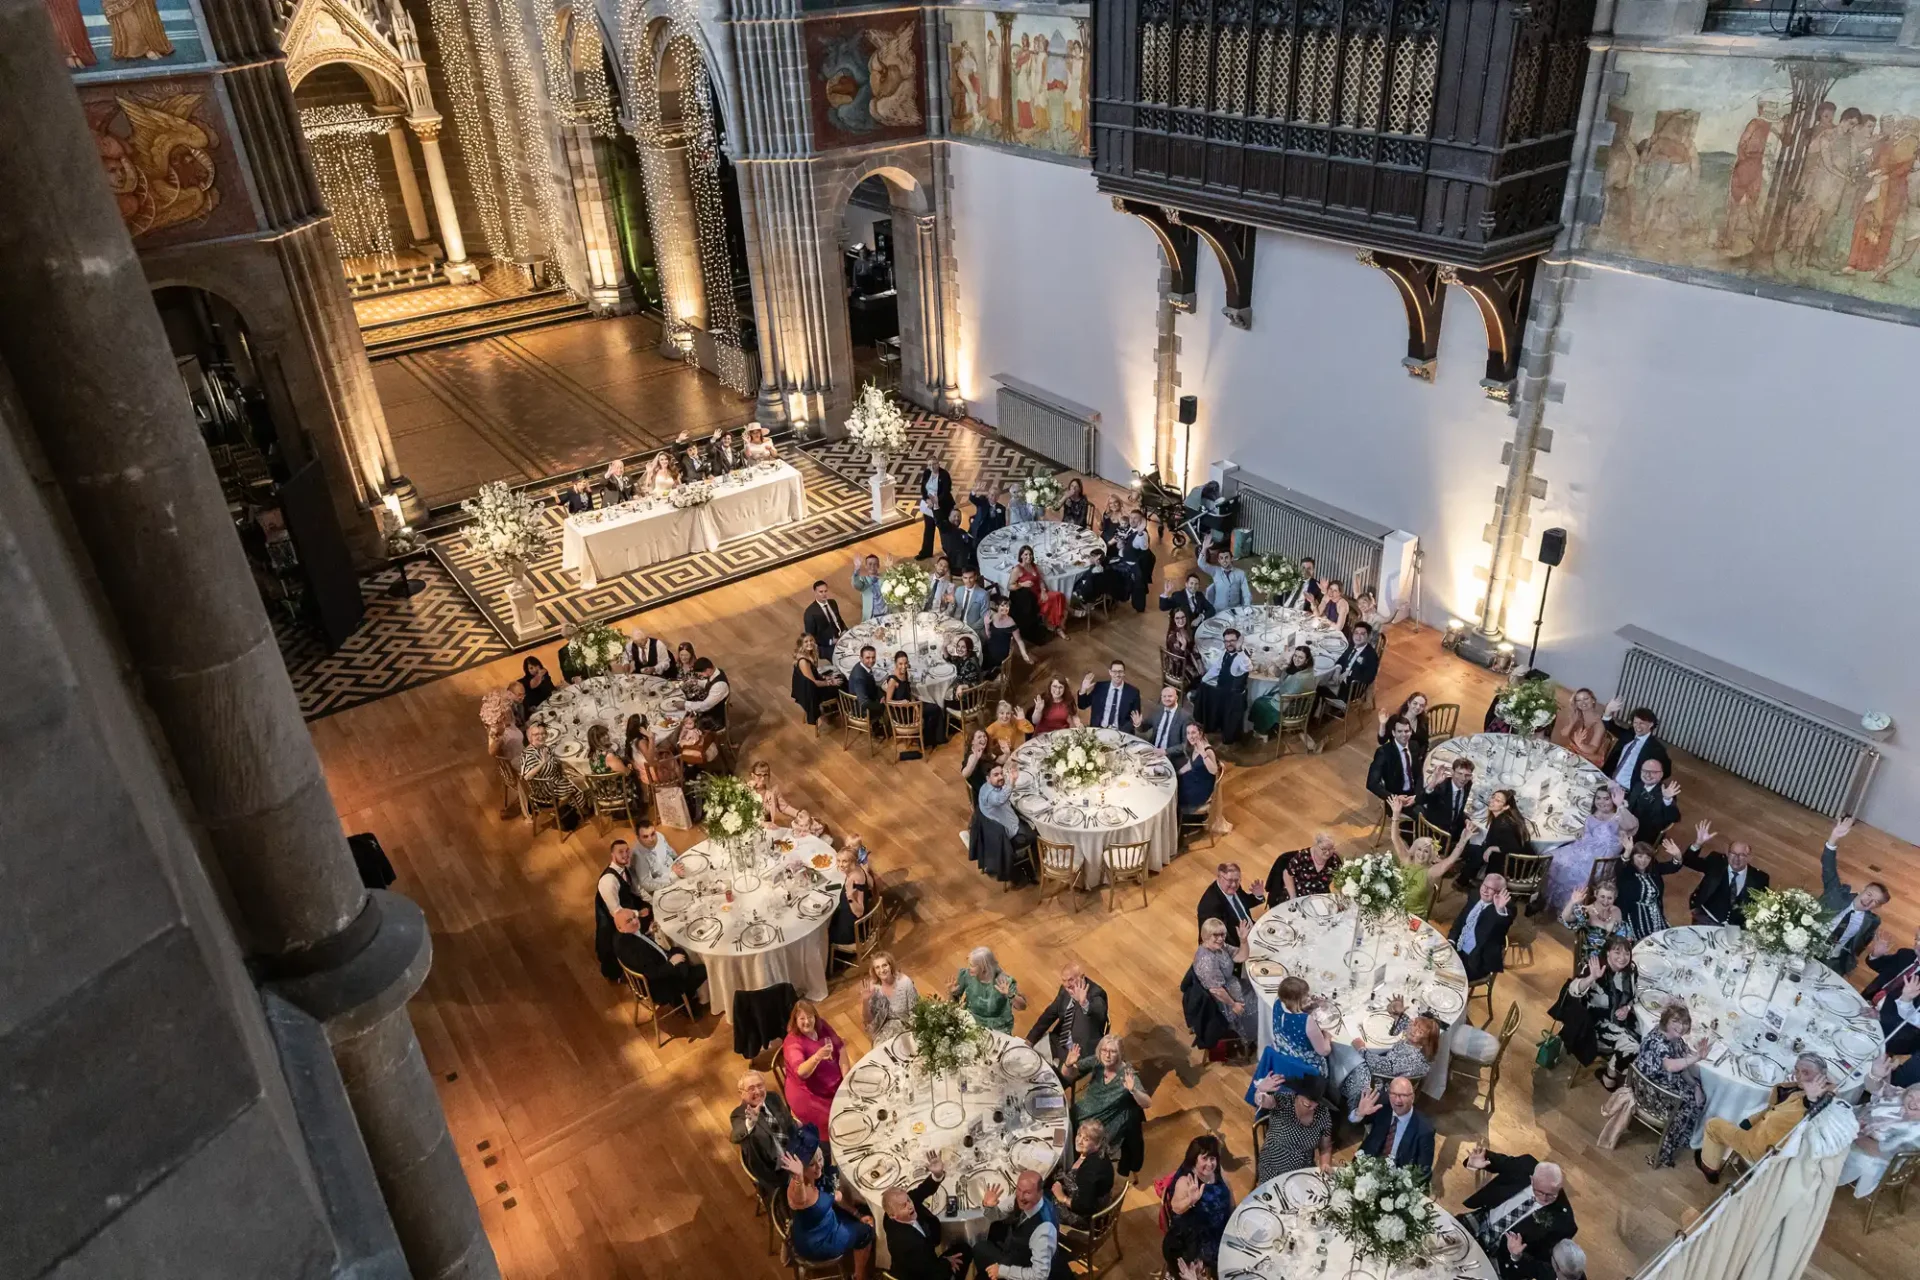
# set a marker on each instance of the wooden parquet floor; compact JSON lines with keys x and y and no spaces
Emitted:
{"x":595,"y":1154}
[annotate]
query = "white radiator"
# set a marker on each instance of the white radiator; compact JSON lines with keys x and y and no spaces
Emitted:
{"x":1053,"y":427}
{"x":1342,"y":544}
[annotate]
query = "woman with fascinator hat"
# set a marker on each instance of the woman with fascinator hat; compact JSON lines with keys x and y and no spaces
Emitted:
{"x":826,"y":1225}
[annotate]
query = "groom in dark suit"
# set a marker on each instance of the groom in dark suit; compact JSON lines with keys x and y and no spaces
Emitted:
{"x":933,"y":491}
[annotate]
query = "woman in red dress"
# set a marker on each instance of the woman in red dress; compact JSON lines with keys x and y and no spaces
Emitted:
{"x":1054,"y":709}
{"x":815,"y":1057}
{"x":1050,"y":606}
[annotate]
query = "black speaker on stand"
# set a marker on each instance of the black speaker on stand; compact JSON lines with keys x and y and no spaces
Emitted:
{"x":1189,"y":412}
{"x":1553,"y":549}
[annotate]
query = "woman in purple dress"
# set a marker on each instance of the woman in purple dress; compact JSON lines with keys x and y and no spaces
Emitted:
{"x":1572,"y":864}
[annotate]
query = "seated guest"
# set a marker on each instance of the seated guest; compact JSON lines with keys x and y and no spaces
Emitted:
{"x":1008,"y":730}
{"x":914,"y":1250}
{"x":1394,"y":771}
{"x":859,"y":892}
{"x":671,"y":976}
{"x":663,"y":474}
{"x":971,"y":601}
{"x":577,"y":497}
{"x":1077,"y":1015}
{"x":822,"y":620}
{"x":698,"y":748}
{"x":692,"y":461}
{"x":940,"y":589}
{"x":1113,"y":518}
{"x":1023,"y":1241}
{"x":982,"y":753}
{"x":1216,"y":967}
{"x":540,"y":685}
{"x":1196,"y":1207}
{"x":655,"y":865}
{"x":899,"y":691}
{"x":1395,"y":1132}
{"x":1354,"y":673}
{"x":815,"y":686}
{"x":827,"y":1224}
{"x":1300,"y":873}
{"x":1132,"y":553}
{"x":1111,"y":1096}
{"x":1301,"y":1046}
{"x":887,"y":997}
{"x":987,"y":518}
{"x":1650,"y":801}
{"x":816,"y":1059}
{"x":1585,"y":733}
{"x":619,"y":889}
{"x":1727,"y":879}
{"x":1000,"y":635}
{"x":760,"y":781}
{"x":1228,"y":587}
{"x":1198,"y":773}
{"x":1414,"y":711}
{"x":1504,"y":832}
{"x":1574,"y":863}
{"x":1640,"y":881}
{"x":1190,"y":597}
{"x":601,"y":757}
{"x":1054,"y":709}
{"x":967,"y":669}
{"x":1666,"y":1062}
{"x":1113,"y":704}
{"x":502,"y":711}
{"x":1523,"y":1204}
{"x":759,"y":447}
{"x":1891,"y":969}
{"x":957,"y":546}
{"x":1166,"y":725}
{"x":1596,"y":1013}
{"x":1073,"y":503}
{"x":1632,"y":747}
{"x":1096,"y":584}
{"x":1334,"y":605}
{"x":1444,"y":804}
{"x":1900,"y":1022}
{"x":547,"y":780}
{"x":1889,"y":1127}
{"x":616,"y":486}
{"x":1411,"y":1056}
{"x":1567,"y":1261}
{"x":723,"y":455}
{"x":998,"y":833}
{"x":866,"y":585}
{"x":1595,"y":918}
{"x":1227,"y":902}
{"x":1085,"y":1186}
{"x":761,"y":1126}
{"x":1179,"y":649}
{"x":1220,"y":699}
{"x":645,"y":655}
{"x":1810,"y":1093}
{"x":1420,"y":861}
{"x":1854,"y":918}
{"x":864,"y":683}
{"x":1299,"y":1127}
{"x":683,"y":656}
{"x":707,"y":692}
{"x":989,"y":992}
{"x":1307,"y":594}
{"x":1479,"y":933}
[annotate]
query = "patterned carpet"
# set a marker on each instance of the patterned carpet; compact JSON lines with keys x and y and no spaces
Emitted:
{"x":459,"y":621}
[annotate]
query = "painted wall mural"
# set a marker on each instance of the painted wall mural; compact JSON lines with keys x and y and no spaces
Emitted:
{"x":168,"y":161}
{"x":868,"y":79}
{"x":1798,"y":172}
{"x":1019,"y":79}
{"x":126,"y":35}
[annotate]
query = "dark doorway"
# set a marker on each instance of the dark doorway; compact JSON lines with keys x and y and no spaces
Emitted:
{"x":873,"y":298}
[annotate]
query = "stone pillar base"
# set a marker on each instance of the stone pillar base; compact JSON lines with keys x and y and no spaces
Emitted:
{"x":413,"y":508}
{"x":527,"y":621}
{"x":612,"y":301}
{"x":462,"y":273}
{"x":1484,"y":650}
{"x":885,"y":497}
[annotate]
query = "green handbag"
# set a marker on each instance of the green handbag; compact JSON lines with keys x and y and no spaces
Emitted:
{"x":1547,"y":1052}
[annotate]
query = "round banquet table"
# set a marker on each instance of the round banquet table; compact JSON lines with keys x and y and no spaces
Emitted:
{"x":996,"y":1117}
{"x":1134,"y":804}
{"x":608,"y":700}
{"x":1063,"y":552}
{"x":1555,"y":787}
{"x":925,"y":637}
{"x":1311,"y":938}
{"x":774,"y":930}
{"x":1710,"y":969}
{"x":1268,"y":634}
{"x":1272,"y":1234}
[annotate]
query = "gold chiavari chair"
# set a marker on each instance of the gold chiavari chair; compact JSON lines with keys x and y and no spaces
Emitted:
{"x":637,"y":984}
{"x":513,"y":791}
{"x":1526,"y":874}
{"x":609,"y":796}
{"x":1898,"y":1177}
{"x":854,"y":720}
{"x":905,"y":729}
{"x":1174,"y":673}
{"x":1487,"y":1070}
{"x":1296,"y":716}
{"x":1125,"y":864}
{"x":1082,"y":1245}
{"x":1443,"y":718}
{"x":974,"y":706}
{"x":1060,"y":868}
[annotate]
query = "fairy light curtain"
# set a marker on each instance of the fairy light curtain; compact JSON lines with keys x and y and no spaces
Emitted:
{"x":340,"y":138}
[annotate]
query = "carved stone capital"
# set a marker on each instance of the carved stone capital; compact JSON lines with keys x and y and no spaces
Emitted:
{"x":425,"y":128}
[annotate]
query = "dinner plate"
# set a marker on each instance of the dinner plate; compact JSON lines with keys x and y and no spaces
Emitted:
{"x":1156,"y":772}
{"x":903,"y":1047}
{"x":746,"y":882}
{"x":948,"y":1114}
{"x":1068,"y":816}
{"x":704,"y":930}
{"x":1378,"y":1030}
{"x":850,"y":1127}
{"x":574,"y":750}
{"x":1445,"y":1002}
{"x":757,"y":934}
{"x":674,"y":900}
{"x":1653,"y":1001}
{"x":1450,"y":1244}
{"x":1046,"y":1100}
{"x":1320,"y":906}
{"x":941,"y":671}
{"x":1857,"y":1045}
{"x":1036,"y":1154}
{"x":981,"y":1180}
{"x":695,"y":863}
{"x":1837,"y":999}
{"x":1685,"y":942}
{"x":815,"y":905}
{"x":1753,"y":1005}
{"x":1759,"y":1068}
{"x":1303,"y":1189}
{"x":1114,"y":816}
{"x":869,"y":1080}
{"x":880,"y":1170}
{"x":1020,"y":1062}
{"x":1652,"y":964}
{"x":1271,"y":971}
{"x":1259,"y":1227}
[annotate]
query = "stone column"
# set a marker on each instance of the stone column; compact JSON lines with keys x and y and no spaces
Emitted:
{"x":609,"y":293}
{"x":676,"y":235}
{"x":459,"y":270}
{"x":1166,"y":373}
{"x":409,"y":184}
{"x":119,"y":438}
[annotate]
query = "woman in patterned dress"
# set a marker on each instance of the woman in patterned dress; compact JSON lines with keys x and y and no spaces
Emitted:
{"x":1410,"y":1056}
{"x":1214,"y":966}
{"x":1595,"y":917}
{"x":887,"y":997}
{"x":1667,"y":1062}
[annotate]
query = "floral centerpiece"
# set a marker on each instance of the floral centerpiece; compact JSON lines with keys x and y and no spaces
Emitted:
{"x":877,"y":425}
{"x":1274,"y":574}
{"x":509,"y":528}
{"x":1041,"y":490}
{"x":945,"y":1037}
{"x":593,"y":648}
{"x":1373,"y":884}
{"x":1785,"y":923}
{"x":1529,"y":705}
{"x":1076,"y":757}
{"x":692,"y":494}
{"x":1379,"y":1208}
{"x":905,"y":586}
{"x":732,"y":813}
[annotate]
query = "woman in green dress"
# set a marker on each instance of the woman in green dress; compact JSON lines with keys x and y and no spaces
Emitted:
{"x":1110,"y":1092}
{"x":1418,"y":870}
{"x":988,"y":991}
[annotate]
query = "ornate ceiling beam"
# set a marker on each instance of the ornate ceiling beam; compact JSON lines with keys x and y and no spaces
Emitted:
{"x":1502,"y":293}
{"x":1178,"y":245}
{"x":1232,"y":244}
{"x":1424,"y":294}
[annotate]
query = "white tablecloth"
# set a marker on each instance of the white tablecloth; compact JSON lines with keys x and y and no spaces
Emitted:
{"x":887,"y":1116}
{"x":1272,"y":1234}
{"x":925,"y":637}
{"x":1135,"y":804}
{"x":1555,"y":788}
{"x":647,"y":531}
{"x":761,"y":886}
{"x":608,"y":700}
{"x":1269,"y":634}
{"x":1311,"y":938}
{"x":1709,"y":969}
{"x":1063,"y":552}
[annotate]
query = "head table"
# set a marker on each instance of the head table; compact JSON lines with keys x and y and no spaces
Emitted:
{"x":1002,"y":1114}
{"x":648,"y":530}
{"x":1737,"y":1003}
{"x":1554,"y":787}
{"x":1272,"y":1236}
{"x":1269,"y":633}
{"x":757,"y":918}
{"x":1312,"y":938}
{"x":608,"y":700}
{"x":1063,"y":552}
{"x":1133,"y":803}
{"x":925,"y":637}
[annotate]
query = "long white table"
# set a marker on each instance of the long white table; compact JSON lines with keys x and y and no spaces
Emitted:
{"x":647,"y":531}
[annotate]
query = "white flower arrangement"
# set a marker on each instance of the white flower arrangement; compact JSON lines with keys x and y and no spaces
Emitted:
{"x":876,"y":423}
{"x":1529,"y":705}
{"x":732,"y":812}
{"x":1274,"y":574}
{"x":1373,"y":884}
{"x":1076,"y":757}
{"x":508,"y":526}
{"x":1785,"y":922}
{"x":594,"y":647}
{"x":1041,"y":490}
{"x":691,"y":495}
{"x":905,"y":585}
{"x":1380,"y":1209}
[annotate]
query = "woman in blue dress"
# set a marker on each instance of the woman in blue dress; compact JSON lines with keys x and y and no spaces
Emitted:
{"x":824,"y":1228}
{"x":1300,"y":1044}
{"x":1198,"y":772}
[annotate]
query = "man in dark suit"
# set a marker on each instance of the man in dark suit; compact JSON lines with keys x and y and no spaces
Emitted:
{"x":913,"y":1233}
{"x":1444,"y":804}
{"x":933,"y":492}
{"x":822,"y":620}
{"x":1650,"y":801}
{"x":1354,"y":673}
{"x":693,"y":459}
{"x":1228,"y":903}
{"x":987,"y":517}
{"x":669,"y":973}
{"x":1076,"y":1016}
{"x":1110,"y":705}
{"x":1192,"y":598}
{"x":723,"y":455}
{"x":1166,"y":725}
{"x":1396,"y":1131}
{"x":616,"y":486}
{"x":1892,"y":971}
{"x":956,"y":544}
{"x":1727,"y":879}
{"x":1479,"y":933}
{"x":864,"y":683}
{"x":1394,"y":771}
{"x":1096,"y":583}
{"x":1855,"y":918}
{"x":578,"y":497}
{"x":1132,"y":552}
{"x":761,"y":1126}
{"x":1522,"y":1210}
{"x":1633,"y":746}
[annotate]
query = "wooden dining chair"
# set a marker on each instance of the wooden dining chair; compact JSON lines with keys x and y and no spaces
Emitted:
{"x":1900,"y":1175}
{"x":1296,"y":715}
{"x":1058,"y":868}
{"x":854,"y":720}
{"x":637,"y":984}
{"x":609,"y":796}
{"x":974,"y":706}
{"x":1173,"y":670}
{"x":905,"y":729}
{"x":1487,"y":1069}
{"x":1526,"y":874}
{"x":867,"y":932}
{"x":1082,"y":1245}
{"x":1125,"y":864}
{"x":1442,"y":720}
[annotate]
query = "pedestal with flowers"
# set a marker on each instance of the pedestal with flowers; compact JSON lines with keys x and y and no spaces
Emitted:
{"x":1381,"y":1209}
{"x":905,"y":587}
{"x":877,"y":425}
{"x":946,"y":1040}
{"x":1528,"y":705}
{"x":1784,"y":926}
{"x":1375,"y":887}
{"x":1041,"y":490}
{"x":1279,"y":576}
{"x":733,"y":816}
{"x":511,"y":530}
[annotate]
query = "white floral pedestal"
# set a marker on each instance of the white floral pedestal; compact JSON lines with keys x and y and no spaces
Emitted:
{"x":524,"y":604}
{"x":885,"y":494}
